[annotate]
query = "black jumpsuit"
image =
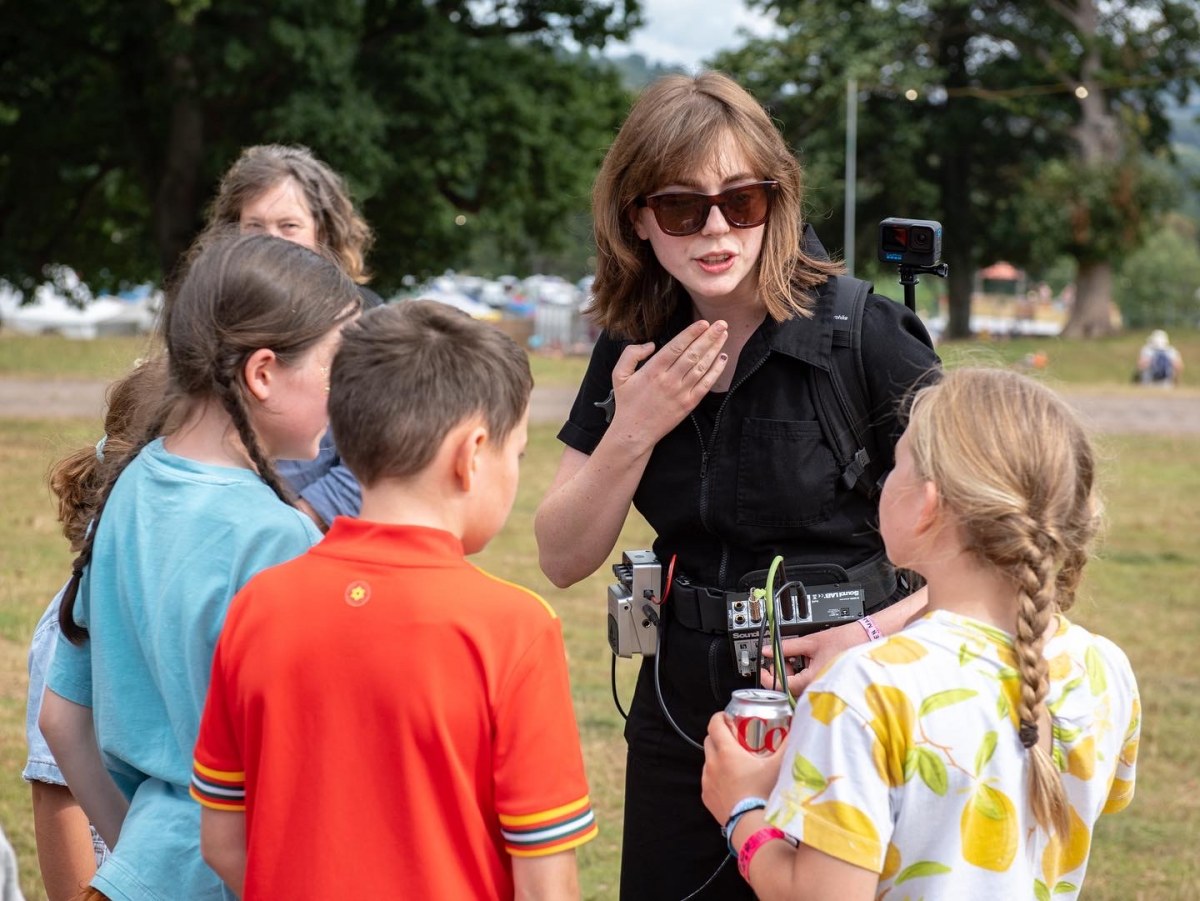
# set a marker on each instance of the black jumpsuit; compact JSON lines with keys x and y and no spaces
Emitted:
{"x":747,"y":476}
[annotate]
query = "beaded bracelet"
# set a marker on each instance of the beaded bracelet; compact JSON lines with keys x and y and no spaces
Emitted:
{"x":751,"y":846}
{"x":743,"y":806}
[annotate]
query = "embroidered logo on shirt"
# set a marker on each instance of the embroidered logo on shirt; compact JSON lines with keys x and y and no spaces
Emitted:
{"x":358,"y":593}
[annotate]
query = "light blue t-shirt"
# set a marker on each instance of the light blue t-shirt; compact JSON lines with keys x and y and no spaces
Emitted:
{"x":176,"y":541}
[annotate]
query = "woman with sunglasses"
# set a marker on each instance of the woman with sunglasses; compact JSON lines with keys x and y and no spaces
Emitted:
{"x":716,"y":307}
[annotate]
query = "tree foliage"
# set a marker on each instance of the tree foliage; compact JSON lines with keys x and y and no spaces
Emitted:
{"x":999,"y":88}
{"x":118,"y":117}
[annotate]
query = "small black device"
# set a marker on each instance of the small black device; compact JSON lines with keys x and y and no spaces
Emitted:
{"x":916,"y":245}
{"x":910,"y":242}
{"x":798,"y":611}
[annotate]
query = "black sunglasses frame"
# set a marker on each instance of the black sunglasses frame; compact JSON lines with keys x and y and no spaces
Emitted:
{"x":770,"y":188}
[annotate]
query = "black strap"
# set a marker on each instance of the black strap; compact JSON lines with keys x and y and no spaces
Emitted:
{"x":840,"y":395}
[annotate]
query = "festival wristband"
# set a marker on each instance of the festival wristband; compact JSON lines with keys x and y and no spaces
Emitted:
{"x":753,"y":843}
{"x":870,"y":628}
{"x":743,"y":806}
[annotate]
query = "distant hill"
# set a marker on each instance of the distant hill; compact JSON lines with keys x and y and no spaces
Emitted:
{"x":637,"y":72}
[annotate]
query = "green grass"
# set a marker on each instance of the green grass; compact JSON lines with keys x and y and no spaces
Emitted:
{"x":1104,"y":363}
{"x":1139,"y":592}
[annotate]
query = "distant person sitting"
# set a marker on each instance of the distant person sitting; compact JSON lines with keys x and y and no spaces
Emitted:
{"x":1158,"y":362}
{"x":420,"y":706}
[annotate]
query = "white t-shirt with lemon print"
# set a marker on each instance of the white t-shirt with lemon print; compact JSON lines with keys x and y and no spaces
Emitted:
{"x":904,"y":759}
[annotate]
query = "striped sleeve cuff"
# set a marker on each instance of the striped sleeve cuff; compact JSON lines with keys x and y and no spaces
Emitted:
{"x":549,"y":832}
{"x":218,"y":789}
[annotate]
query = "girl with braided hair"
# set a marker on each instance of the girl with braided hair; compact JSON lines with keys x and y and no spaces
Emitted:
{"x":182,"y":522}
{"x":970,"y":754}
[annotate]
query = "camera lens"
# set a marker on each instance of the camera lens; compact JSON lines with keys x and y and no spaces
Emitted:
{"x":922,"y":239}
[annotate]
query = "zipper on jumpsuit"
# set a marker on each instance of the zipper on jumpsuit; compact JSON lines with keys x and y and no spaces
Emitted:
{"x":714,"y":674}
{"x":706,"y":452}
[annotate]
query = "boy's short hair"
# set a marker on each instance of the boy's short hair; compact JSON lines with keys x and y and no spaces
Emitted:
{"x":408,"y":373}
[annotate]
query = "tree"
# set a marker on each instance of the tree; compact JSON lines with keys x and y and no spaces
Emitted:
{"x":117,"y":118}
{"x":995,"y":87}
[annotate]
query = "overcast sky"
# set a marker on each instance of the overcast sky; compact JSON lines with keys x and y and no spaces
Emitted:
{"x":685,"y":32}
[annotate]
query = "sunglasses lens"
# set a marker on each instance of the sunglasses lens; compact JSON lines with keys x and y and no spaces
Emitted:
{"x":682,"y":213}
{"x":747,"y":206}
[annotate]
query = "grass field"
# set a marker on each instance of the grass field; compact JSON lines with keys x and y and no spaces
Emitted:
{"x":1140,"y":592}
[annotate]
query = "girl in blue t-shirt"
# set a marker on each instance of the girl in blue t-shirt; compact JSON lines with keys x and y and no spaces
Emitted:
{"x":181,"y":524}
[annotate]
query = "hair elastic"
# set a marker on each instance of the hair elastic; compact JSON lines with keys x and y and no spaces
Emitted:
{"x":1029,"y":734}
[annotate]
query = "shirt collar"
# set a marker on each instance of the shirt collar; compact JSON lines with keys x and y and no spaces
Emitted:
{"x":382,"y":543}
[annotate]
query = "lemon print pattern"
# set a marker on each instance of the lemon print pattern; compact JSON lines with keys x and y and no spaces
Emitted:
{"x":989,"y":829}
{"x":903,"y":758}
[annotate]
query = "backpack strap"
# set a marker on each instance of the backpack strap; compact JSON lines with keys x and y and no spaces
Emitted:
{"x":842,"y":401}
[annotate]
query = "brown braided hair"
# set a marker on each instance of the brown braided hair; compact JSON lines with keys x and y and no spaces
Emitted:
{"x":1022,"y":487}
{"x":76,"y":479}
{"x":239,"y":294}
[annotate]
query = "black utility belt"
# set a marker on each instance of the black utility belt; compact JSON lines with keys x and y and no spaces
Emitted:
{"x":819,"y":596}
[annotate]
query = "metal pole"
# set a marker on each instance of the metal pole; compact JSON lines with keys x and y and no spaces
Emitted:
{"x":851,"y":170}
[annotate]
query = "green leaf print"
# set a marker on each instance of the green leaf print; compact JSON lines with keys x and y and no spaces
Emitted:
{"x":1040,"y":891}
{"x":932,"y":770}
{"x":1066,"y":734}
{"x":945,"y":699}
{"x":804,"y":773}
{"x":921,"y":868}
{"x":1097,"y":681}
{"x":966,"y":654}
{"x":1064,"y":888}
{"x":987,"y":748}
{"x":910,"y":763}
{"x":1060,"y":759}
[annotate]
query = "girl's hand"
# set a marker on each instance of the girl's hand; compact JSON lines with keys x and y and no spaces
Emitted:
{"x":652,"y":400}
{"x":818,"y":650}
{"x":731,"y":772}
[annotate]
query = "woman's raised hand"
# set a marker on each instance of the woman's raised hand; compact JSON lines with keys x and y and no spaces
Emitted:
{"x":652,"y":400}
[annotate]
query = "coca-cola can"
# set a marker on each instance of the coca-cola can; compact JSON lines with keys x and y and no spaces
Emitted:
{"x":759,"y":718}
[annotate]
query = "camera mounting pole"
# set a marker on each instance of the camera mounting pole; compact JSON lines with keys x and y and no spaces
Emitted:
{"x":908,"y":278}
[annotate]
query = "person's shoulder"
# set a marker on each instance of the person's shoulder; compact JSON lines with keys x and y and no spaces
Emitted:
{"x":1090,"y":647}
{"x":506,"y":599}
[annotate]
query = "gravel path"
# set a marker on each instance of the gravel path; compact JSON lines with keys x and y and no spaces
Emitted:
{"x":1150,"y":412}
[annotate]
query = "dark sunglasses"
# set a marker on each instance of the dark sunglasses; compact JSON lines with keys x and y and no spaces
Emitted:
{"x":681,"y":213}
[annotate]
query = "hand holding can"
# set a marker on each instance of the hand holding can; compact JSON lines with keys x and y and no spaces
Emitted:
{"x":759,"y":719}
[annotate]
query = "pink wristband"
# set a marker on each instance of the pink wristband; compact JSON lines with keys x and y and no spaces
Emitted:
{"x":870,"y":628}
{"x":751,"y":846}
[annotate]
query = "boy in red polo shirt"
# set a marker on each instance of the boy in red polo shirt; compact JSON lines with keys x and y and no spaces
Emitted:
{"x":386,"y":720}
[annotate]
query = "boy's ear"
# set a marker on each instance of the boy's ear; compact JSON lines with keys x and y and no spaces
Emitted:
{"x":259,"y":373}
{"x":466,"y":457}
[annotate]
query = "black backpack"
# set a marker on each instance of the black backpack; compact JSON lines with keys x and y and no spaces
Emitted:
{"x":842,"y":400}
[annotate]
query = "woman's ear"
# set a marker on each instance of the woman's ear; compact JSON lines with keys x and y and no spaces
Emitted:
{"x":635,"y":216}
{"x":259,"y":373}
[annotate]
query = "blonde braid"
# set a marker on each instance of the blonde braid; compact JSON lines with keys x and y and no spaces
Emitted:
{"x":1036,"y":591}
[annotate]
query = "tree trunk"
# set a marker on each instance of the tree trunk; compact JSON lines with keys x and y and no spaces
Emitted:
{"x":955,"y":174}
{"x":1090,"y":316}
{"x":176,"y":200}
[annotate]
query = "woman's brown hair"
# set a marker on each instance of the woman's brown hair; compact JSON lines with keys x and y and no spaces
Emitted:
{"x":671,"y":133}
{"x":260,"y":168}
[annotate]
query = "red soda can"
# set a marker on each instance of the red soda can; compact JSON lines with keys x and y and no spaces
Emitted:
{"x":759,"y":718}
